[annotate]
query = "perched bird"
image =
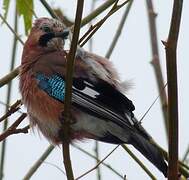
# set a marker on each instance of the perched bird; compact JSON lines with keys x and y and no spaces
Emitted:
{"x":100,"y":110}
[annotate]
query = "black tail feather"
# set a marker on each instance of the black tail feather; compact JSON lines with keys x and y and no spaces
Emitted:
{"x":150,"y":151}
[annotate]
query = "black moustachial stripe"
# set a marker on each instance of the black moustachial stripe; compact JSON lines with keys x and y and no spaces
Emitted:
{"x":44,"y":39}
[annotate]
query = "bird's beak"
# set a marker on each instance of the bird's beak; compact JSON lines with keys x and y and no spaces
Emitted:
{"x":63,"y":35}
{"x":44,"y":39}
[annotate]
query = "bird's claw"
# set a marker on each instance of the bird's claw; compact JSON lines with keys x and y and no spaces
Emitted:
{"x":72,"y":120}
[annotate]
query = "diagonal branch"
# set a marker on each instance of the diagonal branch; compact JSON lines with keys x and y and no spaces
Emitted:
{"x":11,"y":110}
{"x":96,"y":166}
{"x":11,"y":29}
{"x":49,"y":9}
{"x":94,"y":28}
{"x":94,"y":157}
{"x":140,"y":163}
{"x":186,"y":155}
{"x":38,"y":163}
{"x":97,"y":11}
{"x":13,"y":128}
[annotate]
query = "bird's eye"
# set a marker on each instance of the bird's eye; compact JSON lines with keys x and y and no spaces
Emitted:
{"x":46,"y":29}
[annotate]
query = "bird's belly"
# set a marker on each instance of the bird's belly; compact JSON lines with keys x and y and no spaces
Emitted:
{"x":49,"y":127}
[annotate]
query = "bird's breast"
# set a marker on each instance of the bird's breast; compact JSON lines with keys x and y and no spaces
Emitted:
{"x":44,"y":111}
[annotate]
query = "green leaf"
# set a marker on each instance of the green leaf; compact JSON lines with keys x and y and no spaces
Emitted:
{"x":25,"y":8}
{"x":6,"y":7}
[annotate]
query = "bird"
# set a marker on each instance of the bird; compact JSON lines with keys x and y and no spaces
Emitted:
{"x":99,"y":109}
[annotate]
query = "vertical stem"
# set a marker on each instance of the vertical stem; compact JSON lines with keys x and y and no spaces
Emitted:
{"x":96,"y":148}
{"x":171,"y":62}
{"x":156,"y":60}
{"x":68,"y":91}
{"x":3,"y":150}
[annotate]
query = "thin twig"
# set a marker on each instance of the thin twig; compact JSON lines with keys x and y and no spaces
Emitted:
{"x":97,"y":11}
{"x":119,"y":30}
{"x":38,"y":163}
{"x":96,"y":150}
{"x":6,"y":105}
{"x":9,"y":132}
{"x":140,"y":163}
{"x":156,"y":61}
{"x":103,"y":163}
{"x":100,"y":162}
{"x":68,"y":90}
{"x":171,"y":62}
{"x":10,"y":76}
{"x":11,"y":109}
{"x":152,"y":104}
{"x":94,"y":28}
{"x":96,"y":145}
{"x":49,"y":9}
{"x":12,"y":30}
{"x":47,"y":152}
{"x":13,"y":128}
{"x":186,"y":154}
{"x":54,"y":165}
{"x":184,"y":165}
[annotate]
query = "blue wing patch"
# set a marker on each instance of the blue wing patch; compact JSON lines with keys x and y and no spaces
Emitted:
{"x":53,"y":85}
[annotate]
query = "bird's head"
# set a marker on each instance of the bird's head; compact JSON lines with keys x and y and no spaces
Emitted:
{"x":48,"y":34}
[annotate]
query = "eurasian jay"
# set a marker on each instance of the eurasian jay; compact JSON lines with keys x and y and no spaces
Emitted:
{"x":100,"y":110}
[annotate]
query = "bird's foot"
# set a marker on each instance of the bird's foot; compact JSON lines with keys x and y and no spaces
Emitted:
{"x":72,"y":120}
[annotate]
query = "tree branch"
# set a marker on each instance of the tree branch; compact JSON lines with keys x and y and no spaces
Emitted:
{"x":97,"y":11}
{"x":171,"y":62}
{"x":156,"y":61}
{"x":11,"y":110}
{"x":95,"y":27}
{"x":68,"y":91}
{"x":10,"y":76}
{"x":13,"y":128}
{"x":186,"y":154}
{"x":49,"y":9}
